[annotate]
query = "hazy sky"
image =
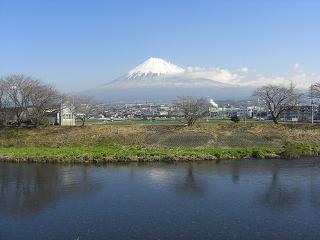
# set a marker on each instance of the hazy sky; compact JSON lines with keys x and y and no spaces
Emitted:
{"x":78,"y":44}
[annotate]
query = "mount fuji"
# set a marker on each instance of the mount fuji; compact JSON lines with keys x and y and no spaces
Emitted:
{"x":157,"y":79}
{"x":155,"y":66}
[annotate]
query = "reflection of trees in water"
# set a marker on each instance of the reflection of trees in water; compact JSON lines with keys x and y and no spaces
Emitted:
{"x":315,"y":190}
{"x":278,"y":194}
{"x":191,"y":185}
{"x":27,"y":189}
{"x":235,"y":171}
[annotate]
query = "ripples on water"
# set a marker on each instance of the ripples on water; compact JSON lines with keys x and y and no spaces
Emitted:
{"x":248,"y":199}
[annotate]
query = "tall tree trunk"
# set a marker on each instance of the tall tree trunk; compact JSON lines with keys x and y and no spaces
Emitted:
{"x":36,"y":124}
{"x":274,"y":119}
{"x":190,"y":122}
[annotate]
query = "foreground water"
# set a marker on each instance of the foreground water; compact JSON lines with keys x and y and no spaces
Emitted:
{"x":248,"y":199}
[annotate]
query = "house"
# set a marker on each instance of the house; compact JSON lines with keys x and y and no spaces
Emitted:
{"x":63,"y":116}
{"x":67,"y":116}
{"x":299,"y":113}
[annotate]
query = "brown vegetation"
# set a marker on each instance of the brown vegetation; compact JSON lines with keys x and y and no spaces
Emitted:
{"x":199,"y":135}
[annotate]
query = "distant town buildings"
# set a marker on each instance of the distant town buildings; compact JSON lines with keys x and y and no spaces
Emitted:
{"x":151,"y":111}
{"x":161,"y":111}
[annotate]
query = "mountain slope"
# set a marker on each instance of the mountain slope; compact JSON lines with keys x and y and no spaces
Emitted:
{"x":154,"y":66}
{"x":156,"y":79}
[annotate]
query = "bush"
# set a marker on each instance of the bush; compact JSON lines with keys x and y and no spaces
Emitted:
{"x":235,"y":118}
{"x":299,"y":149}
{"x":45,"y":122}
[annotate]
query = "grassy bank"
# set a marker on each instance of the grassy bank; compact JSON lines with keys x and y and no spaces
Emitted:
{"x":126,"y":143}
{"x":103,"y":154}
{"x":129,"y":154}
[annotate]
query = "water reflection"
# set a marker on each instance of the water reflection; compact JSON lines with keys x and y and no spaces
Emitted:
{"x":231,"y":200}
{"x":235,"y":171}
{"x":27,"y":189}
{"x":191,"y":184}
{"x":278,"y":194}
{"x":315,"y":190}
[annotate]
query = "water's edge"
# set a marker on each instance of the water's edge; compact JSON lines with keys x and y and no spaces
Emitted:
{"x":100,"y":155}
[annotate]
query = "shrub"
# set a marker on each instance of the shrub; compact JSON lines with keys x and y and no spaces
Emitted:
{"x":298,"y":149}
{"x":235,"y":119}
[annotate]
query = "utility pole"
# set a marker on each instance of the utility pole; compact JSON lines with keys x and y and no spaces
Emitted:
{"x":312,"y":111}
{"x":312,"y":104}
{"x":259,"y":109}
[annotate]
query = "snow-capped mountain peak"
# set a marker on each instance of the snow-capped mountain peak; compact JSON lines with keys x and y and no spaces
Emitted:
{"x":155,"y":66}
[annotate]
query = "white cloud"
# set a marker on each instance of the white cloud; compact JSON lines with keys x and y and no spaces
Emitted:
{"x":195,"y":69}
{"x":265,"y":80}
{"x":215,"y":74}
{"x":244,"y":69}
{"x":246,"y":77}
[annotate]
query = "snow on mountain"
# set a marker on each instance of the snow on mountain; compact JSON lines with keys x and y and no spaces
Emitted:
{"x":155,"y":66}
{"x":156,"y":72}
{"x":158,"y":79}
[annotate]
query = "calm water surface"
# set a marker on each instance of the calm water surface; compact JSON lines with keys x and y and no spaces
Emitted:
{"x":248,"y":199}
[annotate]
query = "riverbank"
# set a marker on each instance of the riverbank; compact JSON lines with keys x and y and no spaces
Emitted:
{"x":128,"y":154}
{"x":139,"y":143}
{"x":104,"y":154}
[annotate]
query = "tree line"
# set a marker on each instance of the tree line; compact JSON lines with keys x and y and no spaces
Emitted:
{"x":26,"y":97}
{"x":277,"y":99}
{"x":28,"y":100}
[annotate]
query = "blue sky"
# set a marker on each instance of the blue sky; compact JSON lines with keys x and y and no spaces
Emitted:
{"x":78,"y":44}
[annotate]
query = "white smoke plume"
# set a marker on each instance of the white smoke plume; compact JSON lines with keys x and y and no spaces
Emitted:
{"x":213,"y":103}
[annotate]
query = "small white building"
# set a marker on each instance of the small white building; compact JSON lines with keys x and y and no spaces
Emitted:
{"x":67,"y":117}
{"x":63,"y":116}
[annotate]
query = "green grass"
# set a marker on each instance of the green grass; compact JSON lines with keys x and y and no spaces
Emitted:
{"x":131,"y":141}
{"x":301,"y":149}
{"x":115,"y":153}
{"x":134,"y":153}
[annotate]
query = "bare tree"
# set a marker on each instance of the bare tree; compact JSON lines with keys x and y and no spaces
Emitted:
{"x":3,"y":103}
{"x":83,"y":107}
{"x":43,"y":98}
{"x":2,"y":94}
{"x":27,"y":97}
{"x":18,"y":89}
{"x":192,"y":109}
{"x":278,"y":99}
{"x":315,"y":90}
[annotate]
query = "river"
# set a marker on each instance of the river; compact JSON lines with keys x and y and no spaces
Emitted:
{"x":246,"y":199}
